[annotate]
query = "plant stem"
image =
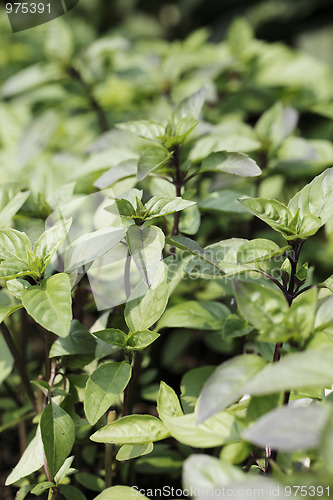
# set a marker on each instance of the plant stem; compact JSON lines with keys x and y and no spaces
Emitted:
{"x":12,"y":393}
{"x":47,"y":345}
{"x":56,"y":493}
{"x":53,"y":374}
{"x":131,"y":388}
{"x":108,"y":453}
{"x":133,"y":384}
{"x":127,"y":281}
{"x":19,"y":363}
{"x":178,"y":183}
{"x":124,"y":410}
{"x":277,"y":352}
{"x":101,"y":116}
{"x":290,"y":293}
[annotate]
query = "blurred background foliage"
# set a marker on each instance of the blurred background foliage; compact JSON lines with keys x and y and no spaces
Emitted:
{"x":66,"y":82}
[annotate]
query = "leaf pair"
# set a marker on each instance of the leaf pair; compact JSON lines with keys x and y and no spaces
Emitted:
{"x":305,"y":213}
{"x":250,"y":374}
{"x":141,"y":429}
{"x":157,"y":206}
{"x":48,"y":303}
{"x":230,"y":257}
{"x":268,"y":311}
{"x":133,"y":341}
{"x":19,"y":259}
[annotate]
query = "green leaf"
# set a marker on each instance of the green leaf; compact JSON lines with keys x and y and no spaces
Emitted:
{"x":260,"y":405}
{"x":122,"y":171}
{"x":274,"y":213}
{"x":132,"y":429}
{"x":183,"y":128}
{"x":90,"y":481}
{"x":215,"y":431}
{"x":123,"y":208}
{"x":225,"y":385}
{"x":222,"y":201}
{"x":165,"y":205}
{"x":298,"y":323}
{"x":55,"y":51}
{"x":189,"y":222}
{"x":167,"y":402}
{"x":6,"y":311}
{"x":276,"y":124}
{"x":123,"y":492}
{"x":289,"y":428}
{"x":50,"y":305}
{"x":258,"y":250}
{"x":315,"y":199}
{"x":10,"y":269}
{"x":6,"y":360}
{"x":223,"y":255}
{"x":231,"y":163}
{"x":71,"y":492}
{"x":235,"y":453}
{"x":191,"y":106}
{"x":227,"y":136}
{"x":234,"y":326}
{"x":263,"y":307}
{"x":45,"y":485}
{"x":30,"y":77}
{"x":202,"y":472}
{"x":324,"y":316}
{"x":10,"y":203}
{"x":145,"y":246}
{"x":112,"y":336}
{"x":91,"y":246}
{"x":65,"y":470}
{"x":49,"y":242}
{"x":146,"y":305}
{"x":14,"y":245}
{"x":78,"y":341}
{"x":151,"y":159}
{"x":147,"y":129}
{"x":201,"y":315}
{"x":328,"y":283}
{"x":313,"y":367}
{"x":31,"y":460}
{"x":136,"y":341}
{"x":326,"y":446}
{"x":103,"y":387}
{"x":16,"y":287}
{"x":191,"y":385}
{"x":184,"y":243}
{"x":58,"y":434}
{"x":129,"y":451}
{"x":240,"y":36}
{"x":162,"y":460}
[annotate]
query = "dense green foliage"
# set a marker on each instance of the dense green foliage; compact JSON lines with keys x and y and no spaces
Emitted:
{"x":166,"y":250}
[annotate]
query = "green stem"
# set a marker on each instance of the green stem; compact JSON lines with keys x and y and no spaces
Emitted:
{"x":53,"y":373}
{"x":101,"y":116}
{"x":133,"y":384}
{"x":127,"y":280}
{"x":108,"y":457}
{"x":290,"y":293}
{"x":178,"y":183}
{"x":19,"y":363}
